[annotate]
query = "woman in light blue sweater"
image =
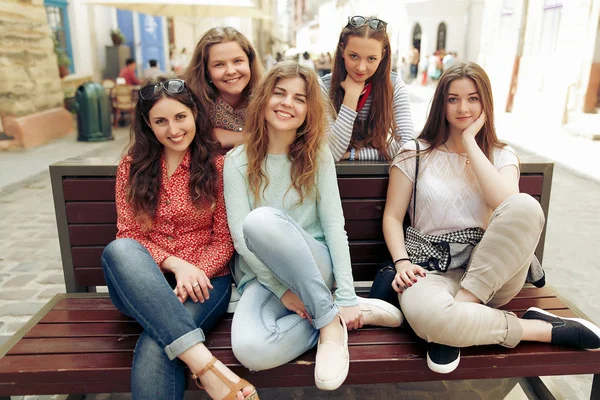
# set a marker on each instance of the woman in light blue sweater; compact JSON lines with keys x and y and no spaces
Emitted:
{"x":285,"y":217}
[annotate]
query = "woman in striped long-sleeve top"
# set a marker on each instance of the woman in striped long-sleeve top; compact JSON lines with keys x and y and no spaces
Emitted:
{"x":371,"y":102}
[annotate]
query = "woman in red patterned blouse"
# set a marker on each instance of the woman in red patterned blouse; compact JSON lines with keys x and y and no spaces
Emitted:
{"x":226,"y":57}
{"x":171,"y":219}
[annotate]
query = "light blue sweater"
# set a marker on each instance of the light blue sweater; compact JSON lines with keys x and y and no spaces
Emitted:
{"x":320,"y":217}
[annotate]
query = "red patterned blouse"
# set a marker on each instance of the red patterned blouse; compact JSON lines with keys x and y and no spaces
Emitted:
{"x":198,"y":236}
{"x":225,"y":117}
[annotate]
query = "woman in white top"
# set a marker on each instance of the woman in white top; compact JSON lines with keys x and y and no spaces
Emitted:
{"x":467,"y":195}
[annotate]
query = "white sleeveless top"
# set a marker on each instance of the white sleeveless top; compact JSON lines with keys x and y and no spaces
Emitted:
{"x":449,"y":197}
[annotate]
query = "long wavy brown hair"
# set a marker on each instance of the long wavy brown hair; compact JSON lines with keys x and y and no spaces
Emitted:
{"x":372,"y":132}
{"x":437,"y":130}
{"x":304,"y":151}
{"x":145,"y":175}
{"x":196,"y":74}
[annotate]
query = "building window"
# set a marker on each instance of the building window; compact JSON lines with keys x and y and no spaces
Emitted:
{"x":550,"y":26}
{"x":58,"y":19}
{"x":508,"y":29}
{"x":441,"y":36}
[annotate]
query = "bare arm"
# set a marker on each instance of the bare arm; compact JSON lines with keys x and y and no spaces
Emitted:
{"x":496,"y":185}
{"x":398,"y":198}
{"x":399,"y":192}
{"x":228,"y":138}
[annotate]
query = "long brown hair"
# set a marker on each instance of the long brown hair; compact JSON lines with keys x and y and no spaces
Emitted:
{"x":303,"y":152}
{"x":436,"y":130}
{"x":196,"y":74}
{"x":373,"y":132}
{"x":145,"y":176}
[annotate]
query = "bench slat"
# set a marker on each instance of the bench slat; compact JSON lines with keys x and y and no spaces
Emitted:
{"x":96,"y":188}
{"x":93,"y":212}
{"x":92,"y":235}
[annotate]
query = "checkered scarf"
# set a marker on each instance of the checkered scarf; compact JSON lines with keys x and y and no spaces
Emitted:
{"x":435,"y":251}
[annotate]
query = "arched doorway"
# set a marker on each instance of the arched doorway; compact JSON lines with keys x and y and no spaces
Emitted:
{"x":441,"y":37}
{"x":416,"y":36}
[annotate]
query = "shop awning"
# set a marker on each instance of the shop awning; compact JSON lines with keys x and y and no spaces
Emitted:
{"x":184,"y":8}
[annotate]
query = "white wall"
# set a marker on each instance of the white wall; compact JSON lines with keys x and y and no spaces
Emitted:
{"x":90,"y":28}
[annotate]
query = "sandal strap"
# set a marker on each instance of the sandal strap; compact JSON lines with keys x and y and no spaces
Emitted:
{"x":233,"y":387}
{"x":209,"y":366}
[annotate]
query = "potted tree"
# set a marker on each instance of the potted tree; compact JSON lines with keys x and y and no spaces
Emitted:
{"x":62,"y":59}
{"x":117,"y":37}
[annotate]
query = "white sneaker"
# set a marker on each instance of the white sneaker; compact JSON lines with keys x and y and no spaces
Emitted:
{"x":377,"y":312}
{"x":233,"y":300}
{"x":332,"y":362}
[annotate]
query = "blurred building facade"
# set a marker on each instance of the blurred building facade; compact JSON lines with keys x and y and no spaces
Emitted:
{"x":31,"y":94}
{"x":544,"y":55}
{"x":445,"y":25}
{"x":38,"y":35}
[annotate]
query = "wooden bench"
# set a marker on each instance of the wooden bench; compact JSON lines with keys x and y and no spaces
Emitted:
{"x":79,"y":343}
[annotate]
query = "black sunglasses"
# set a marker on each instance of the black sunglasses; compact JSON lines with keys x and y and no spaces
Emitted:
{"x":376,"y":24}
{"x":172,"y":86}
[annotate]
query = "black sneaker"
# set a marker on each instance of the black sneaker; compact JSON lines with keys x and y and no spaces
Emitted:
{"x":574,"y":332}
{"x":442,"y":359}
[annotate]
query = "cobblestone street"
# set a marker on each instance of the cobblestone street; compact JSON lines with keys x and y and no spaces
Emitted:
{"x":31,"y":273}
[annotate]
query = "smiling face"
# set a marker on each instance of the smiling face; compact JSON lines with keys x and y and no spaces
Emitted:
{"x":229,"y":70}
{"x":173,"y":124}
{"x":286,"y":108}
{"x":463,"y":104}
{"x":362,"y":57}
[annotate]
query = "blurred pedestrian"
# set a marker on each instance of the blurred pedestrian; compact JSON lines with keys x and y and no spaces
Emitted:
{"x":306,"y":61}
{"x":323,"y":64}
{"x":153,"y":71}
{"x":128,"y":73}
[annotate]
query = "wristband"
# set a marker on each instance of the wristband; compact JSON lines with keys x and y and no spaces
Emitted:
{"x":401,"y":259}
{"x":352,"y":154}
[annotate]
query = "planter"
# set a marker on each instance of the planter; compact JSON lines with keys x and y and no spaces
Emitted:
{"x":63,"y":71}
{"x":116,"y":39}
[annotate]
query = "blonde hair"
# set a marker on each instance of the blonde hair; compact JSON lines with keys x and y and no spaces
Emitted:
{"x":303,"y":152}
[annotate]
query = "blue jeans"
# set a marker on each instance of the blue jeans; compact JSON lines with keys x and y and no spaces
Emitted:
{"x":264,"y":334}
{"x":138,"y":288}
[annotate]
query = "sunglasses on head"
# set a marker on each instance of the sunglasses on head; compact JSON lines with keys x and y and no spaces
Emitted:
{"x":376,"y":24}
{"x":172,"y":86}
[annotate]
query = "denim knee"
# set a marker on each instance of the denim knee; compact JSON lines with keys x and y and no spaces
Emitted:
{"x":256,"y":221}
{"x":117,"y":252}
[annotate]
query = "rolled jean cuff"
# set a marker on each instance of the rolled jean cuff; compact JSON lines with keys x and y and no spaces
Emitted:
{"x":514,"y":331}
{"x":327,"y":318}
{"x":477,"y":287}
{"x":184,"y":343}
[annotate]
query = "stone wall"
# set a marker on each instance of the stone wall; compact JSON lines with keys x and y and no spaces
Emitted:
{"x":30,"y":82}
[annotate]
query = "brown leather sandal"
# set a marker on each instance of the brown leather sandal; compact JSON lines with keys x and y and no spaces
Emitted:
{"x":234,"y":387}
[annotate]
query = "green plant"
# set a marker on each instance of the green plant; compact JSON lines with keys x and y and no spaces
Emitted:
{"x":117,"y":36}
{"x":62,"y":57}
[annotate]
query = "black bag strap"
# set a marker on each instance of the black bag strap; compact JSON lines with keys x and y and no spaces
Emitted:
{"x":416,"y":177}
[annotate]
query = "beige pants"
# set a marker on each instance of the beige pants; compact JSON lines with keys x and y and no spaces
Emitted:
{"x":495,"y":274}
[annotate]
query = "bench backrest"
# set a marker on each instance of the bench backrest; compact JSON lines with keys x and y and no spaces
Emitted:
{"x":84,"y":200}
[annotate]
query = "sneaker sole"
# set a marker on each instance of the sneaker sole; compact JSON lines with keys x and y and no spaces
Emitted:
{"x":334,"y":384}
{"x":582,"y":321}
{"x":443,"y":369}
{"x":393,"y":311}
